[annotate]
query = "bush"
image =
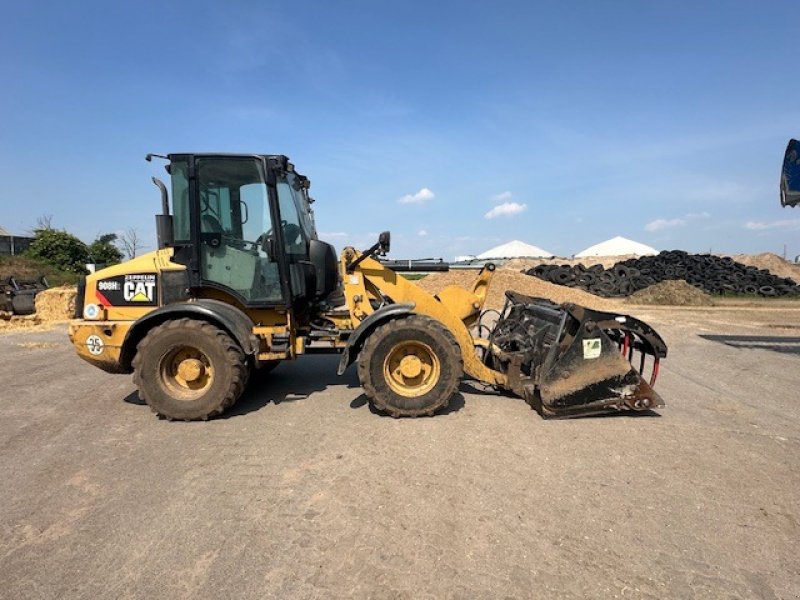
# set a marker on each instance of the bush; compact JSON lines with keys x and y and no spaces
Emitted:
{"x":60,"y":250}
{"x":102,"y":251}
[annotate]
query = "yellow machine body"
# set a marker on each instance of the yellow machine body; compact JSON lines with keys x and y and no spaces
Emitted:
{"x":100,"y":336}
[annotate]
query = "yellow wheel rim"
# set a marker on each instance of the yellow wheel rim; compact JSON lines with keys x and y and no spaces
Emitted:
{"x":411,"y":369}
{"x":186,"y":372}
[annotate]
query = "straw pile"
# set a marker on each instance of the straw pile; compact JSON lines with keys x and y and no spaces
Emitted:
{"x":56,"y":304}
{"x":14,"y":323}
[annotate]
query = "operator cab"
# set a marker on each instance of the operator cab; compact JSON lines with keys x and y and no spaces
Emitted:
{"x":243,"y":226}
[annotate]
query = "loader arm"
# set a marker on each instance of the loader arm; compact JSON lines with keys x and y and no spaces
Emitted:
{"x":371,"y":285}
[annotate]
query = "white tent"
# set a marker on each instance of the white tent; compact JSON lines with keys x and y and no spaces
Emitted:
{"x":617,"y":246}
{"x":515,"y":249}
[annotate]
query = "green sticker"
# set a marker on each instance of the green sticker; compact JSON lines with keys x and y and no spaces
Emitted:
{"x":591,"y":348}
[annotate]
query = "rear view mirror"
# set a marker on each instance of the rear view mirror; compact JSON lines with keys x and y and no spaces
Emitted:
{"x":384,"y":243}
{"x":790,"y":175}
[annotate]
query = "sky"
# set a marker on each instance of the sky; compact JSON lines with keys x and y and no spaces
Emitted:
{"x":455,"y":125}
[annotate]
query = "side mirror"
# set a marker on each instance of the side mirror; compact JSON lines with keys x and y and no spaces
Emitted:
{"x":384,"y":243}
{"x":381,"y":247}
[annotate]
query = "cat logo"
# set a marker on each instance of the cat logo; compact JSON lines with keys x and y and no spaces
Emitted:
{"x":139,"y":288}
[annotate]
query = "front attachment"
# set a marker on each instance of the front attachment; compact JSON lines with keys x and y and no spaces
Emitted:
{"x":567,"y":360}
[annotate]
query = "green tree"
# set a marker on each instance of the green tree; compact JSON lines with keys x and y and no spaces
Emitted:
{"x":102,"y":251}
{"x":59,"y":249}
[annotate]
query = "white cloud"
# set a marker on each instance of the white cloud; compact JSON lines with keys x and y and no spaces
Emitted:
{"x":502,"y":197}
{"x":790,"y":224}
{"x":332,"y":234}
{"x":422,"y":232}
{"x":660,"y":224}
{"x":506,"y":209}
{"x":420,"y":197}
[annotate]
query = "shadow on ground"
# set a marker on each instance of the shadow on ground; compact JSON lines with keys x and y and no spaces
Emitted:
{"x":456,"y":403}
{"x":294,"y":381}
{"x":289,"y":382}
{"x":482,"y":389}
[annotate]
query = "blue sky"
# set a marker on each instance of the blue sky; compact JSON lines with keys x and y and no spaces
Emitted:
{"x":664,"y":122}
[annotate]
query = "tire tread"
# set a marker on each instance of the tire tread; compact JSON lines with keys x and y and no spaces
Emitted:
{"x":234,"y":356}
{"x":373,"y":389}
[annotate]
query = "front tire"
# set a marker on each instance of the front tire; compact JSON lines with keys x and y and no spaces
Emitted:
{"x":410,"y":366}
{"x":189,"y":370}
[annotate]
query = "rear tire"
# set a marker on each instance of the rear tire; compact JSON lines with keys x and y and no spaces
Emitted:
{"x":189,"y":370}
{"x":410,"y":366}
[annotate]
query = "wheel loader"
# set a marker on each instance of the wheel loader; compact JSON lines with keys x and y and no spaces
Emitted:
{"x":241,"y":282}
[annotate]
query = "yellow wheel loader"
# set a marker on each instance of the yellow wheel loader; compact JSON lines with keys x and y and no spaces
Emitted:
{"x":241,"y":282}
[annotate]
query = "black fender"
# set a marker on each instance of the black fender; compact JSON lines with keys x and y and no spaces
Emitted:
{"x":229,"y":318}
{"x":356,"y":340}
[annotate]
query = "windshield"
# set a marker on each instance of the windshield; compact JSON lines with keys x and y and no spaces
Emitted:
{"x":296,"y":221}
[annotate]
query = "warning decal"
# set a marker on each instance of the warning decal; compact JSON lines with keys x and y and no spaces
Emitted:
{"x":592,"y":348}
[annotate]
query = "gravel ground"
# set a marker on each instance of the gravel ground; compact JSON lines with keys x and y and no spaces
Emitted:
{"x":301,"y":491}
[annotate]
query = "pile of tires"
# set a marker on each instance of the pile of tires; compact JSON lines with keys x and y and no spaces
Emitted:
{"x":713,"y":274}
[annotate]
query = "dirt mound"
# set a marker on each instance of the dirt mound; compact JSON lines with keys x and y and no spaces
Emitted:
{"x":772,"y":262}
{"x":674,"y":292}
{"x":510,"y":279}
{"x":56,"y":304}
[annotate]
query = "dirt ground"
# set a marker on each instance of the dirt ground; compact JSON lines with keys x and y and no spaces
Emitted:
{"x":302,"y":491}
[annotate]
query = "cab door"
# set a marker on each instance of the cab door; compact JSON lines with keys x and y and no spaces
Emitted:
{"x":297,"y":231}
{"x":234,"y":220}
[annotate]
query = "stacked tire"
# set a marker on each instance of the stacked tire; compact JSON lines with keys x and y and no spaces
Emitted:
{"x":713,"y":274}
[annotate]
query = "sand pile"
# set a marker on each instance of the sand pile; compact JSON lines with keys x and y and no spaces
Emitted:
{"x":56,"y":304}
{"x":510,"y":279}
{"x":674,"y":292}
{"x":772,"y":262}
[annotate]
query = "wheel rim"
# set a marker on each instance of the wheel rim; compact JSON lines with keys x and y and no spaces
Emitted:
{"x":411,"y":369}
{"x":186,"y":372}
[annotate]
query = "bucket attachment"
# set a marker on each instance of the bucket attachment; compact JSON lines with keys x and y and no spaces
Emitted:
{"x":567,"y":360}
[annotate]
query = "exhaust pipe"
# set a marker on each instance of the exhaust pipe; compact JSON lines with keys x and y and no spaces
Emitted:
{"x":164,"y":226}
